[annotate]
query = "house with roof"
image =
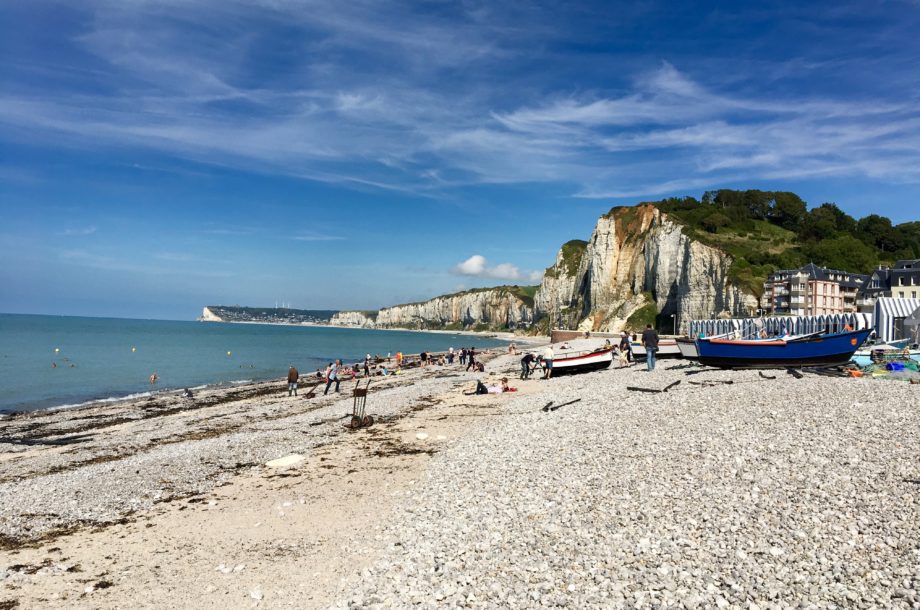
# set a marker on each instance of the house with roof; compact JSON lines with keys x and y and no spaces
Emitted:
{"x":811,"y":291}
{"x":902,"y":280}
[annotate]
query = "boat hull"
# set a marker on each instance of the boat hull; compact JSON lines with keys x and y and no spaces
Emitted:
{"x":593,"y":361}
{"x":822,"y":350}
{"x":688,"y":349}
{"x":667,"y":348}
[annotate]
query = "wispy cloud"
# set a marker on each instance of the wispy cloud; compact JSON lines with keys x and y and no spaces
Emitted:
{"x":422,"y":106}
{"x":78,"y":232}
{"x":478,"y":266}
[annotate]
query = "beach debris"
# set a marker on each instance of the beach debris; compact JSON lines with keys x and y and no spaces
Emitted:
{"x":547,"y":406}
{"x":713,"y":382}
{"x":565,"y":404}
{"x":286,"y":461}
{"x":653,"y":390}
{"x":766,"y":376}
{"x":422,"y":436}
{"x":795,"y":373}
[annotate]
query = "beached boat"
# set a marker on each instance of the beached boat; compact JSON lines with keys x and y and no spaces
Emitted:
{"x":818,"y":349}
{"x":667,"y":348}
{"x":687,"y":347}
{"x":582,"y":362}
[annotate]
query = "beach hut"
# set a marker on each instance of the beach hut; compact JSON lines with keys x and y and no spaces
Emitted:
{"x":890,"y":317}
{"x":912,"y":325}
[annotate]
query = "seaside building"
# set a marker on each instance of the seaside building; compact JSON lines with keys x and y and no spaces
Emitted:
{"x":900,"y":281}
{"x":811,"y":291}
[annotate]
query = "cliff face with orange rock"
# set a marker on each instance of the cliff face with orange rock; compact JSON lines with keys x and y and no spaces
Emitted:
{"x":638,"y":259}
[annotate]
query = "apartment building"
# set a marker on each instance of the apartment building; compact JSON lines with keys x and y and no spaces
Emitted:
{"x":811,"y":291}
{"x":899,"y":281}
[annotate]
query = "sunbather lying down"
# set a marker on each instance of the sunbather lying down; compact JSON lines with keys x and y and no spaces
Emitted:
{"x":482,"y":388}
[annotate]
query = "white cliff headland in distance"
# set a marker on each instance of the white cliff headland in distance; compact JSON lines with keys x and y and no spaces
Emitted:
{"x":637,"y":258}
{"x":502,"y":307}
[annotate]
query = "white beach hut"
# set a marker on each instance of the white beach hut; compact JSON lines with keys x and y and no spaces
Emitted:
{"x":890,"y":317}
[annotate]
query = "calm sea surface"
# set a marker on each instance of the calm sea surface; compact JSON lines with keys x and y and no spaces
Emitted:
{"x":99,"y":358}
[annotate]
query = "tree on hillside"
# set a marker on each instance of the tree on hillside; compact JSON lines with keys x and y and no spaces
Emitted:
{"x":843,"y":252}
{"x":877,"y":231}
{"x":788,"y":210}
{"x":826,"y":221}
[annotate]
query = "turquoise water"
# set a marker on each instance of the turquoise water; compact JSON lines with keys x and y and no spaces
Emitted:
{"x":183,"y":354}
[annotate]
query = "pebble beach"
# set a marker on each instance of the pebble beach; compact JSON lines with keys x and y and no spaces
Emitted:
{"x":762,"y":493}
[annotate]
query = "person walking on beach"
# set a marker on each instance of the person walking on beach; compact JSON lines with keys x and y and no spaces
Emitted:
{"x":471,"y":359}
{"x":548,"y":356}
{"x":462,"y":356}
{"x":332,"y":374}
{"x":293,"y":378}
{"x":367,"y":365}
{"x":625,"y":346}
{"x":526,"y":365}
{"x":650,"y":343}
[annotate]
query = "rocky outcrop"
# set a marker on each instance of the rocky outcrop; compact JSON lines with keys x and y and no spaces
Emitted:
{"x":209,"y":316}
{"x":638,"y":256}
{"x":492,"y":308}
{"x":554,"y":296}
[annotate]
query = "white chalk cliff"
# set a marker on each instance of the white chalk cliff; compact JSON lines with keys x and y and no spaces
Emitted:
{"x":495,"y":308}
{"x":637,"y":255}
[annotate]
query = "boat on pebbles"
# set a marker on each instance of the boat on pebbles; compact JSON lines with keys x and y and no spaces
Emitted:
{"x":816,"y":349}
{"x":582,"y":361}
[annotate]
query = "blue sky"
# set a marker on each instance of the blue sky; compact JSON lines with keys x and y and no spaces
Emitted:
{"x":159,"y":156}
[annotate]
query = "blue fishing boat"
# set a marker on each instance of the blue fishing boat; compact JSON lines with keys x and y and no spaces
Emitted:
{"x":817,"y":349}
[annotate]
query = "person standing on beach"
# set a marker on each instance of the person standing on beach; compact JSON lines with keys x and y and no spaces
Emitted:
{"x":293,"y":378}
{"x":650,"y":343}
{"x":626,"y":346}
{"x":450,"y":355}
{"x":526,"y":364}
{"x":548,"y":356}
{"x":471,"y":359}
{"x":332,"y":375}
{"x":462,"y":356}
{"x":367,"y":365}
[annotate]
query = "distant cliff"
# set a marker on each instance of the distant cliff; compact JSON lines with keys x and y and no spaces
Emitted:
{"x":264,"y":315}
{"x":639,"y":266}
{"x":502,"y":307}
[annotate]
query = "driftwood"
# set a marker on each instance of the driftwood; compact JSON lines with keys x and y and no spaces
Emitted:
{"x":549,"y":406}
{"x":713,"y":382}
{"x":766,"y":376}
{"x":795,"y":373}
{"x":653,"y":390}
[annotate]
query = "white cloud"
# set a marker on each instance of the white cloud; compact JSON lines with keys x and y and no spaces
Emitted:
{"x":478,"y":266}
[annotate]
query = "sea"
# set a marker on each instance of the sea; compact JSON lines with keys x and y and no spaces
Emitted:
{"x":62,"y":361}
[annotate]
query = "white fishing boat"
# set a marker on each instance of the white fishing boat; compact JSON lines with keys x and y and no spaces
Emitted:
{"x":667,"y":348}
{"x":582,"y":361}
